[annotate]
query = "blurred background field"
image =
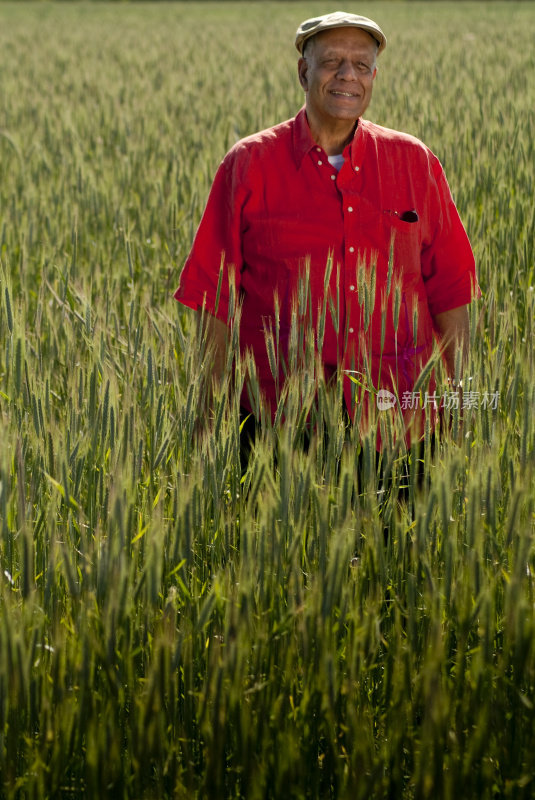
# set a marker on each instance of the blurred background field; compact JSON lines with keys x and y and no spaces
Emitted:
{"x":173,"y":623}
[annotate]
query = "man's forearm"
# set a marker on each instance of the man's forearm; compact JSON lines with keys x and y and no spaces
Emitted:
{"x":217,"y":336}
{"x":453,"y":328}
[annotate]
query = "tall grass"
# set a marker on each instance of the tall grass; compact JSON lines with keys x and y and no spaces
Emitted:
{"x":174,"y":623}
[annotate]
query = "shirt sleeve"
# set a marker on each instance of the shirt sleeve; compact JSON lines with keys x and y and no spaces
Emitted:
{"x":215,"y":261}
{"x":448,"y":266}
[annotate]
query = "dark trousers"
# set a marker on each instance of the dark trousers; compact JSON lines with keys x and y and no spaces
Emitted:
{"x":411,"y":467}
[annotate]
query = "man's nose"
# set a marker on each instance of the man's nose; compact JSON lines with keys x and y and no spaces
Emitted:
{"x":347,"y":71}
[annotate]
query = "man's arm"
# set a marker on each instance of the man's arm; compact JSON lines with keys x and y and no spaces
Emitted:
{"x":453,"y":328}
{"x":217,"y":337}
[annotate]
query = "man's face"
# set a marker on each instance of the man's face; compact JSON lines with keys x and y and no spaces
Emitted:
{"x":337,"y":74}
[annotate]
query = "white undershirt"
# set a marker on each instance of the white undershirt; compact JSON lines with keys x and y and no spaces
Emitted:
{"x":336,"y":161}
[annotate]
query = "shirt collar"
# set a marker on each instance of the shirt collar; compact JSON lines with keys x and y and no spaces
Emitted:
{"x":303,"y":142}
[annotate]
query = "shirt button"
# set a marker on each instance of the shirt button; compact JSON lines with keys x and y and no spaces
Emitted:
{"x":350,"y":208}
{"x":352,"y":330}
{"x":357,"y":169}
{"x":352,"y":249}
{"x":318,"y":149}
{"x":352,"y":288}
{"x":333,"y":177}
{"x":320,"y":163}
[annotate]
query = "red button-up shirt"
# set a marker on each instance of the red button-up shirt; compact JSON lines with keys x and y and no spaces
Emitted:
{"x":385,"y":226}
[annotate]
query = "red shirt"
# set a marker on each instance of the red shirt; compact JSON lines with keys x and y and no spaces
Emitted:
{"x":277,"y":208}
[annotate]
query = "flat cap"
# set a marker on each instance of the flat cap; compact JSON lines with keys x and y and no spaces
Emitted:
{"x":338,"y":19}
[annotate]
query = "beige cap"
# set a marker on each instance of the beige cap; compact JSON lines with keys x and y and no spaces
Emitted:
{"x":338,"y":19}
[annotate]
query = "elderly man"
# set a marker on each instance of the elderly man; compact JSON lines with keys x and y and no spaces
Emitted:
{"x":364,"y":212}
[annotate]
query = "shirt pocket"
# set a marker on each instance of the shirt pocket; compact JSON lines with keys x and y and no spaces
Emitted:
{"x":403,"y":240}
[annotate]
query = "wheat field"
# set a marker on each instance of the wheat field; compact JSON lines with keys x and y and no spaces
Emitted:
{"x":175,"y":623}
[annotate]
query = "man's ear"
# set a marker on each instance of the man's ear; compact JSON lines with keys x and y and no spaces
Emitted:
{"x":302,"y":70}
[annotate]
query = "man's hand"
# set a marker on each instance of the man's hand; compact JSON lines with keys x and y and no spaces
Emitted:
{"x":453,"y":328}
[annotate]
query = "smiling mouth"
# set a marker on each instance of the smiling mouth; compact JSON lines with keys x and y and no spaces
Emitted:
{"x":344,"y":94}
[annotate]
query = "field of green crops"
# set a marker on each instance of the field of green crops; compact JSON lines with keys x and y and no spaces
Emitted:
{"x":175,"y":623}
